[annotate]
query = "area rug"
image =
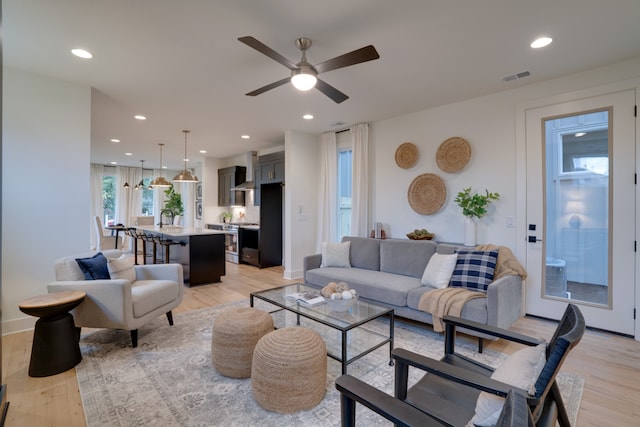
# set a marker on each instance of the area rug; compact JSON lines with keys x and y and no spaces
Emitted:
{"x":168,"y":379}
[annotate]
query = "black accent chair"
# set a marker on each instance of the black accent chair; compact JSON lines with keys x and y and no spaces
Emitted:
{"x":449,"y":390}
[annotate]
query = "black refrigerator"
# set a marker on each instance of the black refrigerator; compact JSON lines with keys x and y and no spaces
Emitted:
{"x":271,"y":220}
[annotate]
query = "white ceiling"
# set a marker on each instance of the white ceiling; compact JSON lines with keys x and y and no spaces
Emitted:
{"x":179,"y":62}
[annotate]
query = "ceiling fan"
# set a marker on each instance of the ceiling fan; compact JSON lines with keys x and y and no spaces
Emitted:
{"x":304,"y":76}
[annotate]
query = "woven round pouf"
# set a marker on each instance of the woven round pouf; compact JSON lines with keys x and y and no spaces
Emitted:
{"x":235,"y":334}
{"x":289,"y":370}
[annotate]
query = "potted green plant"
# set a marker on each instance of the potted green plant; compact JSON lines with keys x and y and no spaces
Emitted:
{"x":173,"y":202}
{"x":473,"y":206}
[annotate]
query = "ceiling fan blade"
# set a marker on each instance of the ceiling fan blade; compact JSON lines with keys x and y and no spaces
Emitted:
{"x":331,"y":91}
{"x":273,"y":85}
{"x":364,"y":54}
{"x":266,"y":50}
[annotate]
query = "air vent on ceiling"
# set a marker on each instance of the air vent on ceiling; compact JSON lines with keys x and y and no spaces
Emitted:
{"x":519,"y":75}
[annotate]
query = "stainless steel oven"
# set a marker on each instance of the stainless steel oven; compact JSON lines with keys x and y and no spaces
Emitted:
{"x":231,"y":243}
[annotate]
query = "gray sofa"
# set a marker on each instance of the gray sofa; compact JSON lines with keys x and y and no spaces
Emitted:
{"x":389,"y":272}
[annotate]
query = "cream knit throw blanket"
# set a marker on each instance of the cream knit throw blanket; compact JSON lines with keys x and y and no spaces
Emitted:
{"x":440,"y":302}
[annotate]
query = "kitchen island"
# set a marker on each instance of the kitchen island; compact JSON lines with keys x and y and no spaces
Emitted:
{"x":200,"y":251}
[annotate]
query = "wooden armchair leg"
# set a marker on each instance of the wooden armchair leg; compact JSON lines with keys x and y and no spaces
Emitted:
{"x":170,"y":318}
{"x":348,"y":413}
{"x":134,"y":338}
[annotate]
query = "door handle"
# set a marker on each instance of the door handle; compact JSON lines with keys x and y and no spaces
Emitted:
{"x":533,"y":239}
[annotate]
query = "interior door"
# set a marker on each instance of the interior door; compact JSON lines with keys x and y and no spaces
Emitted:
{"x":581,"y":210}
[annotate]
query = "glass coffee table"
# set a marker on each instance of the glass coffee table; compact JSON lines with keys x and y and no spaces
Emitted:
{"x":352,"y":340}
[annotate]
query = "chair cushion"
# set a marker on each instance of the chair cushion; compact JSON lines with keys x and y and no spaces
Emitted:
{"x":95,"y":267}
{"x":521,"y":370}
{"x":474,"y":270}
{"x":122,"y":268}
{"x":439,"y":270}
{"x":148,"y":295}
{"x":336,"y":255}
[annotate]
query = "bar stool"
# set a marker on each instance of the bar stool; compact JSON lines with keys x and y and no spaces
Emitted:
{"x":148,"y":238}
{"x":166,"y":243}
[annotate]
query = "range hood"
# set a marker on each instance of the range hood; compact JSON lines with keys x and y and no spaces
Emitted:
{"x":252,"y":160}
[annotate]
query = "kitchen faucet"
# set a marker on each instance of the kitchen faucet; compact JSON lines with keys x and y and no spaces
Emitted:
{"x":162,"y":212}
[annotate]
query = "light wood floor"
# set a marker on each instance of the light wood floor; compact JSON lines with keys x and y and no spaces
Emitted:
{"x":609,"y":363}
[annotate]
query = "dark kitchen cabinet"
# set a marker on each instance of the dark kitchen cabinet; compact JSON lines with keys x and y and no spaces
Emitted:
{"x":228,"y":178}
{"x":270,"y":171}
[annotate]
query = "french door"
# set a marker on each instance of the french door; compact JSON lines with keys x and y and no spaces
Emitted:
{"x":581,"y":196}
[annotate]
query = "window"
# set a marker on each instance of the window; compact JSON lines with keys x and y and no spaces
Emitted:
{"x":108,"y":199}
{"x":344,"y":192}
{"x":147,"y":197}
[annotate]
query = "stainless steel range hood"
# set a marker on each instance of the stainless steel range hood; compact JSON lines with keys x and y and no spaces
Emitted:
{"x":252,"y":160}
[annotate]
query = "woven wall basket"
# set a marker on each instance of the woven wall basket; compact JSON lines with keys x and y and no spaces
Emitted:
{"x":427,"y":193}
{"x":453,"y":154}
{"x":406,"y":155}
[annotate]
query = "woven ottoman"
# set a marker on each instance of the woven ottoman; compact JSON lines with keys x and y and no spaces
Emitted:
{"x":289,"y":370}
{"x":235,"y":334}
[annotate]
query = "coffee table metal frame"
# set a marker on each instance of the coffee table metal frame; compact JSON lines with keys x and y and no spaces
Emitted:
{"x":321,"y":314}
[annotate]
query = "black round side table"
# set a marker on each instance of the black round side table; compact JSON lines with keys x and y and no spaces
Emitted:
{"x":55,"y":346}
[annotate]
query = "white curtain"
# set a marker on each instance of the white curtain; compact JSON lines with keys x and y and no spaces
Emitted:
{"x":128,"y":200}
{"x":328,"y":224}
{"x":158,"y":196}
{"x":97,"y":207}
{"x":360,"y":180}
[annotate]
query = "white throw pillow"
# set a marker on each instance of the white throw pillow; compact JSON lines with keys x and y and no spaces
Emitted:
{"x":336,"y":255}
{"x":122,"y":268}
{"x":521,"y":370}
{"x":439,"y":269}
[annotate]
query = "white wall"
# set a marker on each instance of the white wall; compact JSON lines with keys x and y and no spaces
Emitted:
{"x":45,"y":190}
{"x":301,"y":199}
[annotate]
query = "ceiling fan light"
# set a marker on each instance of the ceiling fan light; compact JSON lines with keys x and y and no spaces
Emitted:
{"x":303,"y":81}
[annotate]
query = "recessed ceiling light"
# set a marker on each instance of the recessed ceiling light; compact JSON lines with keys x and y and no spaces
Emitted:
{"x":541,"y":42}
{"x":114,"y":163}
{"x":579,"y":134}
{"x":308,"y":116}
{"x":245,"y":137}
{"x":203,"y":151}
{"x":81,"y":53}
{"x":128,"y":154}
{"x":115,"y":140}
{"x":139,"y":117}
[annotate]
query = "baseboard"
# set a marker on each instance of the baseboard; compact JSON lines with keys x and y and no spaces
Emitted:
{"x":292,"y":275}
{"x":18,"y":325}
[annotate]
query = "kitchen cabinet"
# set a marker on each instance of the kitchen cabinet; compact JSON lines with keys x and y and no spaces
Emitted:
{"x":228,"y":178}
{"x":270,"y":170}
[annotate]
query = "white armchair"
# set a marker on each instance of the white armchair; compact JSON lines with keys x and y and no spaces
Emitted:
{"x":121,"y":303}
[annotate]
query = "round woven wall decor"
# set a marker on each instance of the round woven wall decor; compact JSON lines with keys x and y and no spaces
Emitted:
{"x":406,"y":155}
{"x":453,"y":154}
{"x":427,"y":193}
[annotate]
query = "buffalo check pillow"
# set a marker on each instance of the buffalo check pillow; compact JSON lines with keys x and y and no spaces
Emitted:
{"x":474,"y":270}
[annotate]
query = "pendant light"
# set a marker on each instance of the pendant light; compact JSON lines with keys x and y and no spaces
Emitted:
{"x":185,"y":175}
{"x":126,"y":186}
{"x":140,"y":185}
{"x":160,"y":181}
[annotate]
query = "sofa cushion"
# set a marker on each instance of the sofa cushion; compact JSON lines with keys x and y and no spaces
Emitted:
{"x":373,"y":285}
{"x":336,"y":255}
{"x":95,"y":267}
{"x":148,"y":295}
{"x":521,"y":369}
{"x":405,"y":257}
{"x":122,"y":268}
{"x":365,"y":252}
{"x":439,"y":270}
{"x":474,"y":270}
{"x":475,"y":309}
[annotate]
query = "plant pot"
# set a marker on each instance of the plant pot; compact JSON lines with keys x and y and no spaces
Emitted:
{"x":469,"y":231}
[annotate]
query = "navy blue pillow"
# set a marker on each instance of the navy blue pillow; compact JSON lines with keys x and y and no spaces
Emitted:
{"x":474,"y":270}
{"x":94,"y":268}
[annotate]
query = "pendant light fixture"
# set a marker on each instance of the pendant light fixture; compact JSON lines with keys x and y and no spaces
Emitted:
{"x":185,"y":175}
{"x":160,"y":182}
{"x":140,"y":185}
{"x":126,"y":186}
